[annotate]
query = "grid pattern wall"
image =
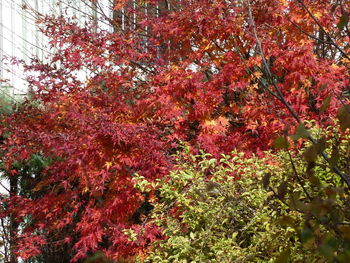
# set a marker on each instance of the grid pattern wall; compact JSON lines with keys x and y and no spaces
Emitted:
{"x":20,"y":38}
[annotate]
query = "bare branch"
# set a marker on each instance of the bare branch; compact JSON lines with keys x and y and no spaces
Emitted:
{"x":323,"y":30}
{"x":281,"y":98}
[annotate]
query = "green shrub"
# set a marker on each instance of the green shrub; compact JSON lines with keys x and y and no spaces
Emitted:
{"x":280,"y":208}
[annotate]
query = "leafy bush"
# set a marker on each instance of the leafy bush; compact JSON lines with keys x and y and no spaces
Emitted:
{"x":280,"y":208}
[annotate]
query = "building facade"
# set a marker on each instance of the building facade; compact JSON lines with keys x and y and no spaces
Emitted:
{"x":21,"y":39}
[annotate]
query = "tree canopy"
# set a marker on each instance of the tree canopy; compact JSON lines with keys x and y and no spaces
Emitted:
{"x":111,"y":105}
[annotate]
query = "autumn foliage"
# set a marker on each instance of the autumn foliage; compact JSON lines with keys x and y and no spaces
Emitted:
{"x":110,"y":104}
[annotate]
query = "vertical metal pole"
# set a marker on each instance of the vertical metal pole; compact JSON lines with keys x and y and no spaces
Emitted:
{"x":94,"y":16}
{"x":24,"y":33}
{"x":41,"y":36}
{"x":59,"y":4}
{"x":79,"y":15}
{"x":12,"y":45}
{"x":37,"y":51}
{"x":12,"y":29}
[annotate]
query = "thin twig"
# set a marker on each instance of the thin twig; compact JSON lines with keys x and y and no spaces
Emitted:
{"x":298,"y":178}
{"x":281,"y":98}
{"x":3,"y":186}
{"x":324,"y":31}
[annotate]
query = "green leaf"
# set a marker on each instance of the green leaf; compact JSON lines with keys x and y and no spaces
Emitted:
{"x":310,"y":154}
{"x":328,"y":247}
{"x":282,"y":190}
{"x":323,"y":87}
{"x":266,"y":180}
{"x":320,"y":145}
{"x":284,"y":257}
{"x":281,"y":143}
{"x":313,"y":150}
{"x":325,"y":104}
{"x":192,"y":235}
{"x":343,"y":21}
{"x":345,"y":231}
{"x":212,"y":162}
{"x":314,"y":180}
{"x":286,"y":220}
{"x":306,"y":234}
{"x":301,"y":132}
{"x":334,"y":157}
{"x":97,"y":257}
{"x":344,"y":117}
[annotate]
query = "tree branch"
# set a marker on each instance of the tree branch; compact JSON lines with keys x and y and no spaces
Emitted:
{"x":324,"y":31}
{"x":281,"y":98}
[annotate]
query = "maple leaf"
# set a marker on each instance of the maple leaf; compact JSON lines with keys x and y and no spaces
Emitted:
{"x":217,"y":126}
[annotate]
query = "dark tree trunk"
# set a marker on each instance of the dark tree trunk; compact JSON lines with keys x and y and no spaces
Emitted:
{"x":13,"y":227}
